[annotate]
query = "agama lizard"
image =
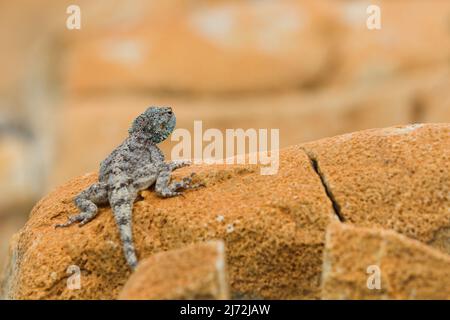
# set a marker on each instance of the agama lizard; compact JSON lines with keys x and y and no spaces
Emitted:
{"x":135,"y":165}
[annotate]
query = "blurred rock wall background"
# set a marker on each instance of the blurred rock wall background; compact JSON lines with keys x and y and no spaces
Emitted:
{"x":309,"y":68}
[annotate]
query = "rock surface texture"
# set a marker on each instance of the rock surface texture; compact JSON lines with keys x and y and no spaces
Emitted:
{"x":195,"y":272}
{"x":395,"y":178}
{"x":273,"y":227}
{"x":407,"y":269}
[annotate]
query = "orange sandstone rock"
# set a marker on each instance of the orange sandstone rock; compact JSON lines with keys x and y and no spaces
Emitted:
{"x":273,"y":228}
{"x":194,"y":272}
{"x":394,"y":178}
{"x":407,"y":269}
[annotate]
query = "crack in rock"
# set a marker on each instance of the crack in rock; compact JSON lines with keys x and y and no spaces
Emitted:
{"x":329,"y":193}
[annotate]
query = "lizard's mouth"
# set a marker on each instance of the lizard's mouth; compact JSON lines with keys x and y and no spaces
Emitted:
{"x":166,"y":128}
{"x":170,"y":126}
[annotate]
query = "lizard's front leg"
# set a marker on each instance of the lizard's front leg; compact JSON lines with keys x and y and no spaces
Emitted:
{"x":177,"y":164}
{"x":166,"y":190}
{"x":87,"y":202}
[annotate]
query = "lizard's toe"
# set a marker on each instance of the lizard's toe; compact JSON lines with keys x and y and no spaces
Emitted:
{"x":82,"y":218}
{"x":198,"y":185}
{"x":70,"y":221}
{"x":187,"y":180}
{"x":83,"y":222}
{"x":86,"y":217}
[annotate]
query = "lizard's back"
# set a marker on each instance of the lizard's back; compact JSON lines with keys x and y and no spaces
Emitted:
{"x":127,"y":157}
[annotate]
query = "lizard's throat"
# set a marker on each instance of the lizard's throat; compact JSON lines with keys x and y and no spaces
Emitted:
{"x":141,"y":138}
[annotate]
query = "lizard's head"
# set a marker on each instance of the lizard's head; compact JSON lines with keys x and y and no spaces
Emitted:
{"x":157,"y":123}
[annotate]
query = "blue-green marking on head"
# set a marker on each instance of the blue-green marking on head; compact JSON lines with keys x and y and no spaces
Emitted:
{"x":156,"y":123}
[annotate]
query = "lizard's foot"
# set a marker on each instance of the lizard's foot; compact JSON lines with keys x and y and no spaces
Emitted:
{"x":82,"y":218}
{"x":177,"y":164}
{"x":195,"y":185}
{"x":167,"y":193}
{"x":86,"y":203}
{"x":185,"y":184}
{"x":70,"y":221}
{"x":166,"y":190}
{"x":173,"y":189}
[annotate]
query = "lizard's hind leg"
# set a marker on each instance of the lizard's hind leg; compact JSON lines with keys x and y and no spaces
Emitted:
{"x":87,"y":202}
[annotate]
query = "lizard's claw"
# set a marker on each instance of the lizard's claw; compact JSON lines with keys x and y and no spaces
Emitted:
{"x":188,"y":182}
{"x":83,"y":222}
{"x":82,"y":218}
{"x":69,"y":222}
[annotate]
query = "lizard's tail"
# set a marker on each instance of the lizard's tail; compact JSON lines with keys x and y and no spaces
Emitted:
{"x":121,"y":201}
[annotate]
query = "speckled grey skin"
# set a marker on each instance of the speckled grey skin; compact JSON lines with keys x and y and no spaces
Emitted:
{"x":135,"y":165}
